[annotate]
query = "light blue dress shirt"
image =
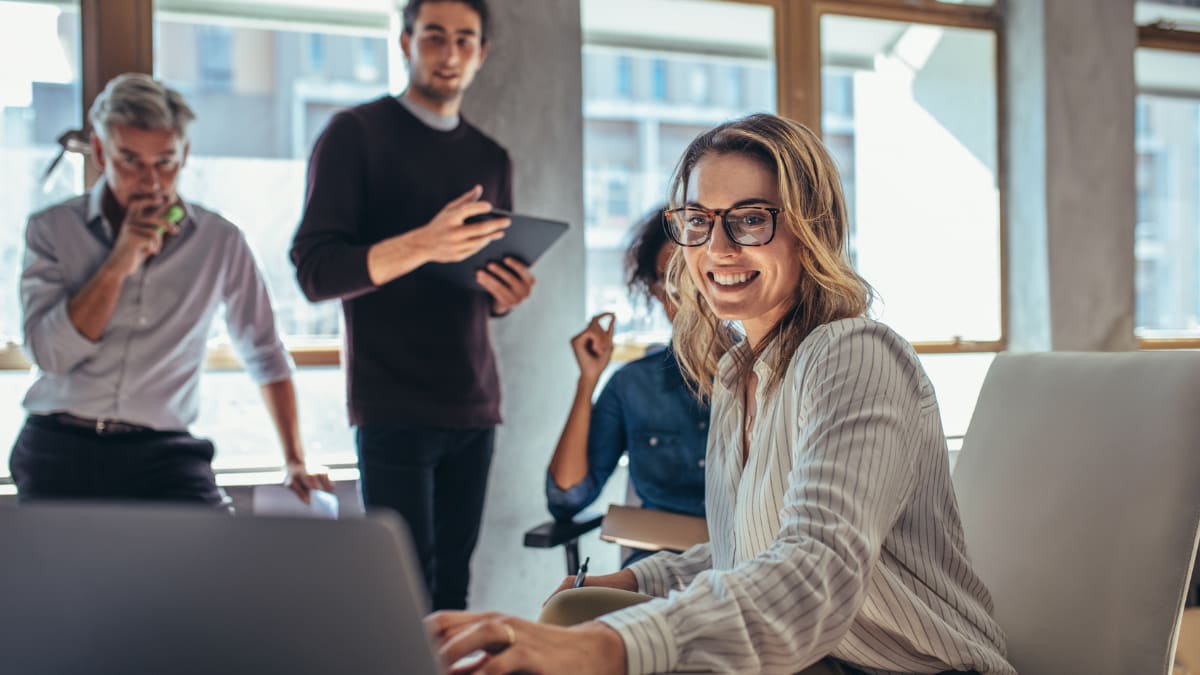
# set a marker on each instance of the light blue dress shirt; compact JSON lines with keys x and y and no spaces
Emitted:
{"x":146,"y":368}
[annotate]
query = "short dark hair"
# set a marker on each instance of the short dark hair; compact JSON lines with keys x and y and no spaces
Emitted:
{"x":480,"y":6}
{"x":646,"y":240}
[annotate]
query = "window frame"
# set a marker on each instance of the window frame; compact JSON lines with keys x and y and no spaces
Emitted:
{"x":1163,"y":36}
{"x":121,"y":39}
{"x":805,"y":104}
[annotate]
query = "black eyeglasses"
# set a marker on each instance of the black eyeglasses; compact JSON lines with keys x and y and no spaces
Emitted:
{"x":745,"y":225}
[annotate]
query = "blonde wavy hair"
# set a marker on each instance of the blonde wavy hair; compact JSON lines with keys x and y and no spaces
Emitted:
{"x":813,"y":211}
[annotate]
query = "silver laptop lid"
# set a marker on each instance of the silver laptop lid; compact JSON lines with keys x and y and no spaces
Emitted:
{"x":133,"y":590}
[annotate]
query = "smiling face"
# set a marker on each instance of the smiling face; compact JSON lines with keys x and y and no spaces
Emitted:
{"x":444,"y":51}
{"x":755,"y":285}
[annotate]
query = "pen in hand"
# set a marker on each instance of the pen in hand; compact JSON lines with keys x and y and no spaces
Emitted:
{"x":582,"y":573}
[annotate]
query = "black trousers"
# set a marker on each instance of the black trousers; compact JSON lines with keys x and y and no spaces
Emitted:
{"x":55,"y":461}
{"x":436,"y":480}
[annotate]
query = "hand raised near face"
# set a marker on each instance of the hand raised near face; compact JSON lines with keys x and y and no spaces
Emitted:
{"x":593,"y":346}
{"x":141,"y":234}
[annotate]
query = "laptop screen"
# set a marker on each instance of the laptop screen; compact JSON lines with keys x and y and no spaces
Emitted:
{"x":131,"y":590}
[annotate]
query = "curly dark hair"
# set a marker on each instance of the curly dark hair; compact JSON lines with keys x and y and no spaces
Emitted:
{"x":480,"y":6}
{"x":646,"y":239}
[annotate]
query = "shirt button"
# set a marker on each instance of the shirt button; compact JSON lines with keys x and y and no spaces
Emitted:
{"x":700,"y":464}
{"x":703,"y":426}
{"x":653,"y":441}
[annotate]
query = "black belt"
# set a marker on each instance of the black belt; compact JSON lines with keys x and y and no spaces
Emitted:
{"x":101,"y":427}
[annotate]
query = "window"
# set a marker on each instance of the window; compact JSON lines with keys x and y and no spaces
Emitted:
{"x":316,"y":52}
{"x":634,"y":131}
{"x":214,"y":56}
{"x":258,"y":134}
{"x":244,"y":69}
{"x":658,"y":80}
{"x":39,"y":99}
{"x":624,"y":77}
{"x":909,"y":111}
{"x":249,"y":155}
{"x":1168,"y":183}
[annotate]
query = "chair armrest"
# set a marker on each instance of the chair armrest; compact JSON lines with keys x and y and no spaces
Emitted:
{"x":557,"y":532}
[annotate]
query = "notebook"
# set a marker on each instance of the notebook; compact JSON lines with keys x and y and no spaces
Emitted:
{"x":652,"y":530}
{"x":133,"y":590}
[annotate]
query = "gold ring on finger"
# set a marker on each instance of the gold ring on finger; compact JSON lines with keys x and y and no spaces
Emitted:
{"x":512,"y":634}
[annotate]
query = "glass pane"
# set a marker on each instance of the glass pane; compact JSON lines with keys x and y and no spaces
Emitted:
{"x":957,"y":379}
{"x":909,"y":112}
{"x":233,"y":415}
{"x":13,"y":384}
{"x":655,"y":74}
{"x":1167,"y":244}
{"x":1177,"y":12}
{"x":40,"y":98}
{"x":263,"y":90}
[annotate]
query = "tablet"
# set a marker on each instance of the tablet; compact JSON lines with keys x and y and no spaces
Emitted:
{"x":526,"y":240}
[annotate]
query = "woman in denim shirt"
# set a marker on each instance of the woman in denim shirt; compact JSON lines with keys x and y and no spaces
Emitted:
{"x":646,"y":409}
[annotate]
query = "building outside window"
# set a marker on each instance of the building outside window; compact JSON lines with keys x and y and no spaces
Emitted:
{"x":249,"y":155}
{"x":638,"y":57}
{"x":1167,"y":244}
{"x":39,"y":99}
{"x":909,"y":112}
{"x":214,"y":58}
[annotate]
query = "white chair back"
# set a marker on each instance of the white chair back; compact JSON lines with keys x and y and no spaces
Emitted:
{"x":1079,"y":489}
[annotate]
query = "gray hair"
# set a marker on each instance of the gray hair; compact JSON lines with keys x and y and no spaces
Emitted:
{"x":138,"y":100}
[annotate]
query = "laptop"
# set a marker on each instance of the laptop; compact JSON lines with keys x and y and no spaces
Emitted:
{"x":127,"y":590}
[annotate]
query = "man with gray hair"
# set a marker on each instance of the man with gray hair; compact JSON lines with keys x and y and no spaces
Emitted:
{"x":119,"y":289}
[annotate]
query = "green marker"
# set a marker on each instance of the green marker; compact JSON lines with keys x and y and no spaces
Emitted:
{"x":172,"y":216}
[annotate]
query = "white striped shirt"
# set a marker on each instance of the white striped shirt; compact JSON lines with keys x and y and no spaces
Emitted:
{"x":840,"y":537}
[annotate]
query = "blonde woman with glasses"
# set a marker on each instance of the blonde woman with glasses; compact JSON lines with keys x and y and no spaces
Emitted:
{"x":835,"y":541}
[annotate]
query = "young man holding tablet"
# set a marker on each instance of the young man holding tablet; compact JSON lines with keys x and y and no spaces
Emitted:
{"x":390,"y":184}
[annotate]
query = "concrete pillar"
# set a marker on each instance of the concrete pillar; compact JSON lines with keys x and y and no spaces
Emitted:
{"x":529,"y":97}
{"x":1070,"y":194}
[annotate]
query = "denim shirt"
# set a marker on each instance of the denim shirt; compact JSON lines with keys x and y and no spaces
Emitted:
{"x":647,"y":410}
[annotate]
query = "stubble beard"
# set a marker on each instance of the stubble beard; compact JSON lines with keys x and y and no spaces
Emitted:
{"x":427,"y":90}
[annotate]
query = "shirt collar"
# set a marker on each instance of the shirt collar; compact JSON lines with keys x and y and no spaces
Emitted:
{"x":94,"y":210}
{"x":726,"y":370}
{"x":428,"y":117}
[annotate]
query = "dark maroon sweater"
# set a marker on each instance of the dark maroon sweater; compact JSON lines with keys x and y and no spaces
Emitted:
{"x":417,"y":349}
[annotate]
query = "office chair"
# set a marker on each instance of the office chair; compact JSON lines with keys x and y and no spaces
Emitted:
{"x":1077,"y":485}
{"x":1187,"y":653}
{"x":629,"y":525}
{"x":565,"y":533}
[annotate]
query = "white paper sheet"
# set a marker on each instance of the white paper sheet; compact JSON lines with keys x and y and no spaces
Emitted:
{"x":279,"y":500}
